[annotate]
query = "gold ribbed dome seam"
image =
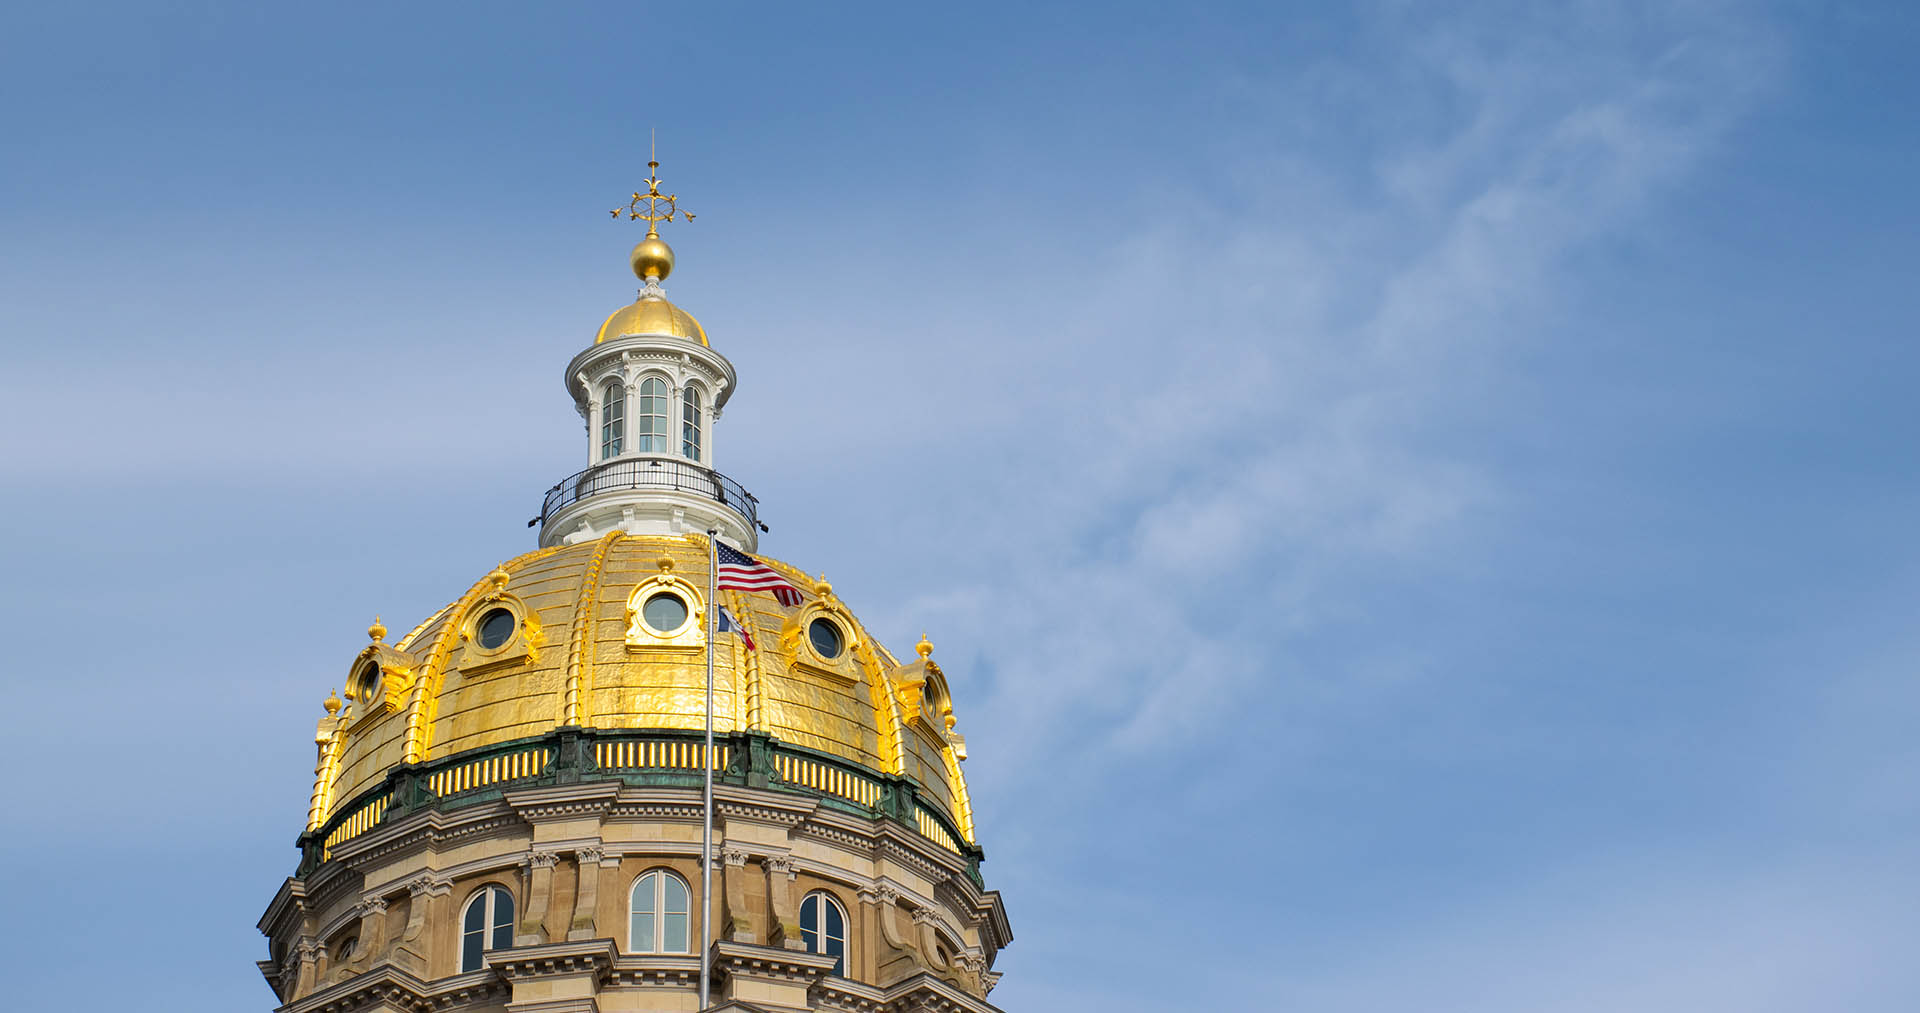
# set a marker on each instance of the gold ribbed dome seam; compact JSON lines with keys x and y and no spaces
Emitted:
{"x":324,"y":774}
{"x":579,"y":644}
{"x":406,"y":642}
{"x":426,"y":689}
{"x":962,"y":805}
{"x":737,"y":605}
{"x":886,"y":713}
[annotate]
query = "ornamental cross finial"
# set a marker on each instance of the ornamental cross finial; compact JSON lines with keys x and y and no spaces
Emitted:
{"x":653,"y":207}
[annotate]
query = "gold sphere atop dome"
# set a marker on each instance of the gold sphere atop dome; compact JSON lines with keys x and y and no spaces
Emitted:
{"x":652,"y":258}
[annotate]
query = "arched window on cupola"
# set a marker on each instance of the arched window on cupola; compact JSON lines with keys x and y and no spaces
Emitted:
{"x":653,"y":417}
{"x":659,"y":914}
{"x":823,"y":928}
{"x":690,"y":423}
{"x":487,"y":924}
{"x":613,"y":419}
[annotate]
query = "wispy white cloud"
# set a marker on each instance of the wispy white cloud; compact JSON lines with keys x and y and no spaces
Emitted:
{"x":1241,"y":416}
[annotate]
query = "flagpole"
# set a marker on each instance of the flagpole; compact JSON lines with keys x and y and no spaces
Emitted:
{"x":706,"y":806}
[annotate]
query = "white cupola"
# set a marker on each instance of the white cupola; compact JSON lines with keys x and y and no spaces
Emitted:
{"x":650,"y":388}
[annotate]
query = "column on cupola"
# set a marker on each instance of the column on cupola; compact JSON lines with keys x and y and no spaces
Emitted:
{"x":629,"y":422}
{"x":711,"y":415}
{"x":588,"y":411}
{"x":592,"y":414}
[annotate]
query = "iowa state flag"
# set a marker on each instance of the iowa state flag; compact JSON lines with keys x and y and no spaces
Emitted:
{"x":728,"y":624}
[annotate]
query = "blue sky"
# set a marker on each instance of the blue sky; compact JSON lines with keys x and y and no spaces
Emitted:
{"x":1417,"y":503}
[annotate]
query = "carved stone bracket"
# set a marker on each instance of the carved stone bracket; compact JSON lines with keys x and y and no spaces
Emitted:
{"x":307,"y":953}
{"x":373,"y":929}
{"x":740,"y":919}
{"x":786,"y":914}
{"x":586,"y":894}
{"x":532,"y":929}
{"x":902,"y":957}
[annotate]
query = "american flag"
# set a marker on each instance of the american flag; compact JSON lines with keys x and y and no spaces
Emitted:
{"x":745,"y":573}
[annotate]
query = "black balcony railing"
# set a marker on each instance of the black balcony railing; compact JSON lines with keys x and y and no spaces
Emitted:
{"x":650,"y":473}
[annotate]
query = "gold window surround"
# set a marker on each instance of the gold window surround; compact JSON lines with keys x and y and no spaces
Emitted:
{"x":689,"y":635}
{"x":396,"y":670}
{"x":523,"y":648}
{"x":799,"y":646}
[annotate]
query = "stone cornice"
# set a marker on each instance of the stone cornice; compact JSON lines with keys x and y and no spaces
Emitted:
{"x":288,"y":901}
{"x":922,"y":992}
{"x":567,"y":801}
{"x":843,"y":994}
{"x":750,"y":960}
{"x":594,"y":956}
{"x":435,"y":826}
{"x":654,"y":971}
{"x":385,"y":984}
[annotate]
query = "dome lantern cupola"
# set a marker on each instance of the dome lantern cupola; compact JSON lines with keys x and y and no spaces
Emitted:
{"x":650,"y":389}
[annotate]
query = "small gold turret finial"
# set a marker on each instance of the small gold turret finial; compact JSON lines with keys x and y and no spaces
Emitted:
{"x":498,"y":578}
{"x":925,"y":646}
{"x":332,"y":703}
{"x":377,"y":632}
{"x":652,"y":258}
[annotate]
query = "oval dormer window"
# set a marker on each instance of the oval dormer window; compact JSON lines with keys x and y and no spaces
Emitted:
{"x":664,"y":613}
{"x":367,"y":685}
{"x":825,"y":637}
{"x":495,"y":628}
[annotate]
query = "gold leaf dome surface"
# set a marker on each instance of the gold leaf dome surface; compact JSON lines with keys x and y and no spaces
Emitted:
{"x":651,"y":315}
{"x":580,"y":654}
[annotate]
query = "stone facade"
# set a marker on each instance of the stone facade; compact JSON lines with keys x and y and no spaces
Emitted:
{"x":377,"y":925}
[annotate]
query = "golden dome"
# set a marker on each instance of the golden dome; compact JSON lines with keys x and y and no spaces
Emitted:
{"x":582,"y":651}
{"x":651,"y":315}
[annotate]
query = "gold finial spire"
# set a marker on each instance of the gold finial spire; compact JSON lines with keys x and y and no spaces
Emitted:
{"x":332,"y":703}
{"x":652,"y":258}
{"x":924,"y":647}
{"x":658,"y":207}
{"x":378,"y":631}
